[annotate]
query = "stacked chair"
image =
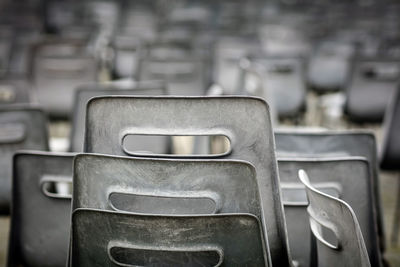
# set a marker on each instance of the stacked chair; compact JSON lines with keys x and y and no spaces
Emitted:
{"x":390,"y":153}
{"x":172,"y":114}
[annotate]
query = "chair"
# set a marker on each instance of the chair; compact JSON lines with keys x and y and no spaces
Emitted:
{"x":346,"y":178}
{"x":184,"y":72}
{"x":127,"y":51}
{"x":41,"y":209}
{"x":282,"y":83}
{"x":21,"y":127}
{"x":329,"y":143}
{"x":329,"y":65}
{"x":389,"y":154}
{"x":372,"y":85}
{"x":120,"y":87}
{"x":326,"y":212}
{"x":223,"y":116}
{"x":155,"y":186}
{"x":141,"y":240}
{"x":57,"y":71}
{"x":228,"y":52}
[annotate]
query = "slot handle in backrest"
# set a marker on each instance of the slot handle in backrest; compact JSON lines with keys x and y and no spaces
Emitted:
{"x":12,"y":133}
{"x":381,"y":72}
{"x":142,"y":255}
{"x":56,"y":186}
{"x":228,"y":147}
{"x":163,"y":202}
{"x":294,"y":194}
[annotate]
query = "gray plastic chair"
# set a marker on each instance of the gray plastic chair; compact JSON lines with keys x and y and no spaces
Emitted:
{"x":228,"y":52}
{"x":329,"y":65}
{"x":372,"y":85}
{"x":21,"y":127}
{"x":165,"y":187}
{"x":127,"y":51}
{"x":389,"y":154}
{"x":160,"y":186}
{"x":185,"y":76}
{"x":250,"y":140}
{"x":121,"y":239}
{"x":328,"y":143}
{"x":119,"y":87}
{"x":337,"y":216}
{"x":40,"y":222}
{"x":346,"y":178}
{"x":57,"y":71}
{"x":282,"y":82}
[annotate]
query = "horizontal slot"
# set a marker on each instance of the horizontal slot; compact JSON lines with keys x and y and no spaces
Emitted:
{"x":294,"y":194}
{"x":128,"y":256}
{"x":55,"y":186}
{"x":184,"y":145}
{"x":151,"y":204}
{"x":281,"y":69}
{"x":383,"y":73}
{"x":12,"y":133}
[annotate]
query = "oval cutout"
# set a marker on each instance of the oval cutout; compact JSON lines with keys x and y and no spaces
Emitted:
{"x":294,"y":194}
{"x":12,"y":133}
{"x":57,"y":186}
{"x":125,"y":256}
{"x":162,"y":204}
{"x":381,"y":73}
{"x":195,"y":146}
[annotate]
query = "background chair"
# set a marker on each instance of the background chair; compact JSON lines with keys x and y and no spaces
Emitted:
{"x":41,"y":209}
{"x":22,"y":127}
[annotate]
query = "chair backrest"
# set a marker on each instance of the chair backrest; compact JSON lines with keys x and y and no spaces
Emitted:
{"x":283,"y":82}
{"x":122,"y":87}
{"x":329,"y":143}
{"x":346,"y":178}
{"x":228,"y":52}
{"x":57,"y":71}
{"x":250,"y":139}
{"x":21,"y":127}
{"x":371,"y":88}
{"x":347,"y":247}
{"x":329,"y":65}
{"x":185,"y":76}
{"x":127,"y":51}
{"x":41,"y":209}
{"x":121,"y":239}
{"x":390,"y":152}
{"x":160,"y":186}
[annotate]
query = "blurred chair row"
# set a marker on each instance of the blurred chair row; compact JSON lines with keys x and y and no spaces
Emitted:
{"x":340,"y":164}
{"x":276,"y":55}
